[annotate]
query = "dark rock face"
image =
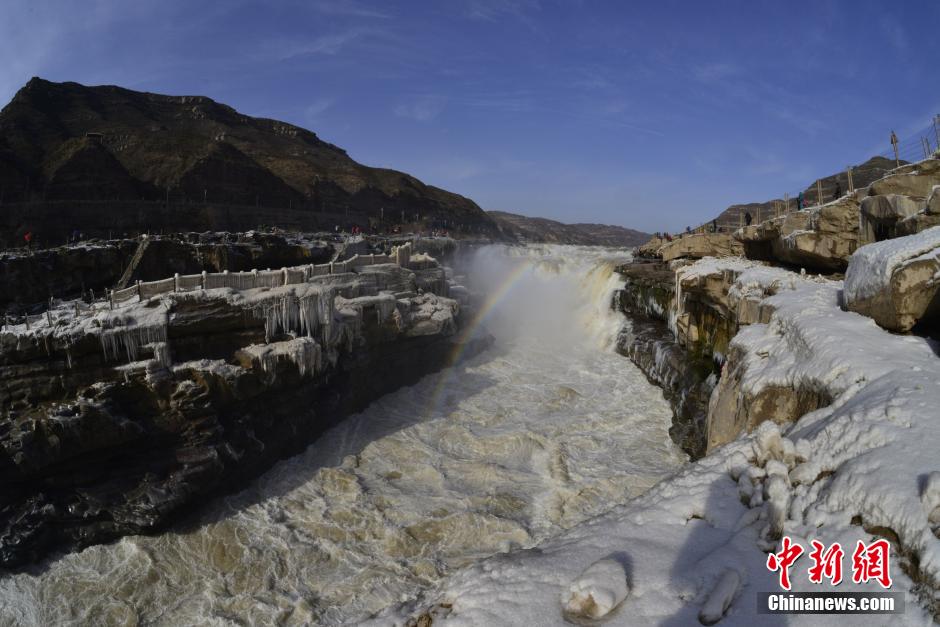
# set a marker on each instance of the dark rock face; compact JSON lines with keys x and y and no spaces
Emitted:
{"x":552,"y":232}
{"x":138,"y":161}
{"x":685,"y":382}
{"x":91,"y":449}
{"x":27,"y":280}
{"x":686,"y":378}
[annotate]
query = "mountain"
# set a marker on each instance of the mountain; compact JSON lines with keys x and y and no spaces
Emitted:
{"x":549,"y":231}
{"x":862,"y":176}
{"x":188,"y":162}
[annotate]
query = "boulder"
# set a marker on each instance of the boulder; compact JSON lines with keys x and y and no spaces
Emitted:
{"x":700,"y":245}
{"x":896,"y":281}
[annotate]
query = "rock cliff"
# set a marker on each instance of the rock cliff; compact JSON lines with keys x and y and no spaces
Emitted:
{"x":70,"y":271}
{"x":117,"y":420}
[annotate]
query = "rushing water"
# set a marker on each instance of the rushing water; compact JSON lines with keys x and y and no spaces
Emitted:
{"x":544,"y":430}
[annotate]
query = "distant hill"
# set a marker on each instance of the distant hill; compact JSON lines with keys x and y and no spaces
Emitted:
{"x":529,"y":229}
{"x":862,"y":176}
{"x":67,"y":143}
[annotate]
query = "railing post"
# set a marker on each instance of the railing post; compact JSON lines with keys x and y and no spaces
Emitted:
{"x":284,"y":275}
{"x":140,"y":292}
{"x":848,"y":172}
{"x":205,"y":278}
{"x":176,"y":281}
{"x":111,"y":299}
{"x":819,"y":200}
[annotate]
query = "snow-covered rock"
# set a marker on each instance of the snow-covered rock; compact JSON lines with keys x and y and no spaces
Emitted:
{"x":896,"y":281}
{"x":597,"y":591}
{"x":720,"y":598}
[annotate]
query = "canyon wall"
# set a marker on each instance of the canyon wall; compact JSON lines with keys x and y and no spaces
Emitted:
{"x":118,"y":420}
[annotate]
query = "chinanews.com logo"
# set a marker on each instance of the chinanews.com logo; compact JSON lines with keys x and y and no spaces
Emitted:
{"x":869,"y":562}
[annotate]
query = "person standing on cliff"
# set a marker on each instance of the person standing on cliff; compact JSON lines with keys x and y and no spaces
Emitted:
{"x":28,"y":238}
{"x":799,"y":202}
{"x":747,"y":218}
{"x":838,"y":191}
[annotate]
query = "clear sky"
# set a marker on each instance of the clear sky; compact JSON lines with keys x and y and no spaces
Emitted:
{"x":646,"y":114}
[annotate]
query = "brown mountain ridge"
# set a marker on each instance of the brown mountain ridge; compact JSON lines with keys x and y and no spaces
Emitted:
{"x":530,"y":229}
{"x":111,"y":157}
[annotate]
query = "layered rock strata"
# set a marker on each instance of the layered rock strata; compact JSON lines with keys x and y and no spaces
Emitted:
{"x":647,"y":340}
{"x":699,"y":245}
{"x":116,"y":422}
{"x":27,"y":279}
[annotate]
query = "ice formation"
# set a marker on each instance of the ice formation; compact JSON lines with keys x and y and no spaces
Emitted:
{"x":126,"y":333}
{"x":299,"y":311}
{"x":304,"y":352}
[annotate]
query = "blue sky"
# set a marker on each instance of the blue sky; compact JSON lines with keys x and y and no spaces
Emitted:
{"x":652,"y":115}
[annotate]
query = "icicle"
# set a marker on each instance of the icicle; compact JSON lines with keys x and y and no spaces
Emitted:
{"x":118,"y":333}
{"x":161,"y":354}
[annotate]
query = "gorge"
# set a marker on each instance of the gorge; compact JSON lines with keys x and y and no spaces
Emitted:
{"x":380,"y":404}
{"x":493,"y":454}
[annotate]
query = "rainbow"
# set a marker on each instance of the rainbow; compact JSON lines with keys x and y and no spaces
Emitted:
{"x":495,"y":297}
